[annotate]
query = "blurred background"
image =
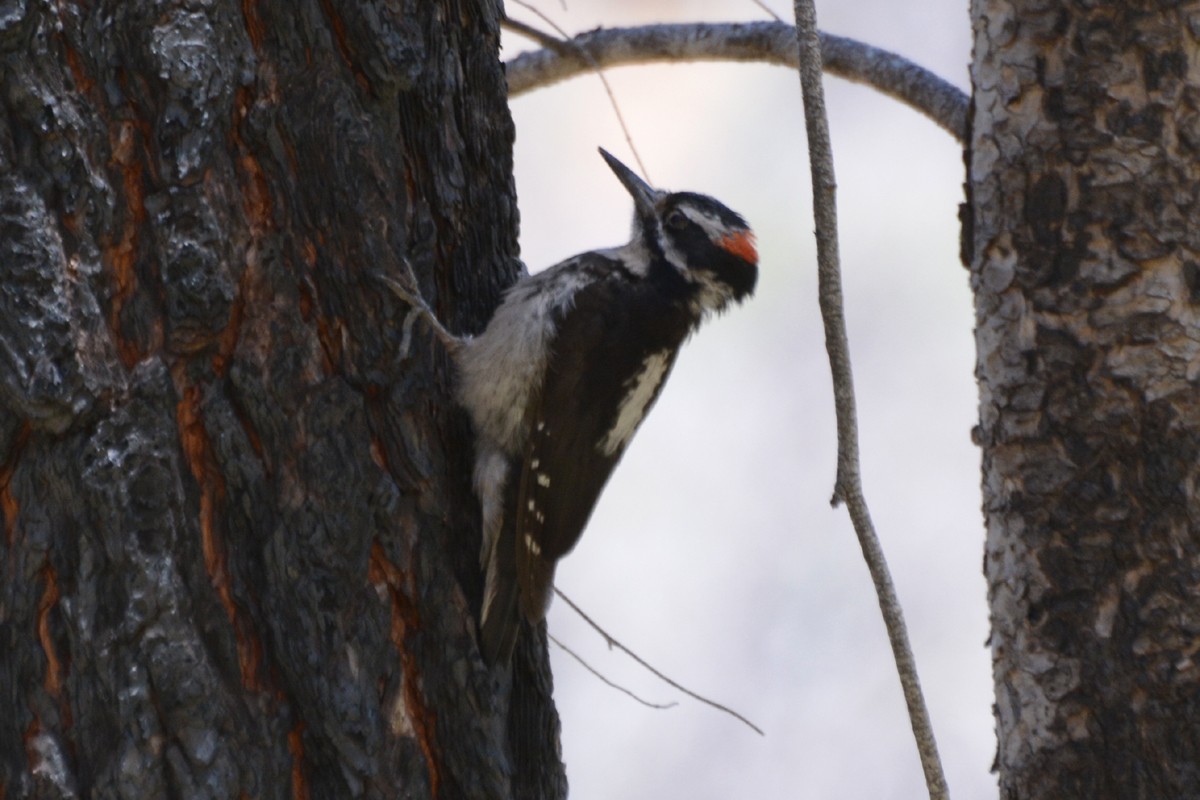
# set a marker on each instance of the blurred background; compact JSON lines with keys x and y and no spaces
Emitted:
{"x":714,"y":552}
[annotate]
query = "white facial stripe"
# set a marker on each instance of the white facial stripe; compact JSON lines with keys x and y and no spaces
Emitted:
{"x":716,"y":230}
{"x":709,"y":224}
{"x":714,"y":294}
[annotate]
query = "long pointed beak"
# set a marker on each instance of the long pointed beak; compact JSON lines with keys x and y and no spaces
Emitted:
{"x":643,"y":194}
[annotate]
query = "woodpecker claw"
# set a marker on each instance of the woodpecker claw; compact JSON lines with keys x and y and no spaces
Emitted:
{"x":420,"y":308}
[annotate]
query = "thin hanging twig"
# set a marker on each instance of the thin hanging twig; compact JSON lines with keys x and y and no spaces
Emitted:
{"x":570,"y":45}
{"x":604,"y":679}
{"x":767,"y":9}
{"x":614,"y":643}
{"x":848,"y":485}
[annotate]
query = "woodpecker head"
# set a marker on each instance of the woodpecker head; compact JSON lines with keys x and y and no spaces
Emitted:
{"x":709,"y":245}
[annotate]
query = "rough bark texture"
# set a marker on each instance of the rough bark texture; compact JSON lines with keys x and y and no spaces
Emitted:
{"x":238,"y":555}
{"x":1084,"y":245}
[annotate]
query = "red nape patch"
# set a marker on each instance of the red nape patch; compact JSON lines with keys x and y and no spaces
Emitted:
{"x":741,"y":244}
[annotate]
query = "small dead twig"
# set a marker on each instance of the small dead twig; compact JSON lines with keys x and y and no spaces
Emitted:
{"x":612,"y":642}
{"x":569,"y":45}
{"x":605,"y":680}
{"x":541,"y":37}
{"x":767,"y":9}
{"x":848,"y":484}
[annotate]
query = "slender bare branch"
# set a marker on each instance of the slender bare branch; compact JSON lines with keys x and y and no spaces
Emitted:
{"x":848,"y":484}
{"x":605,"y":680}
{"x":541,"y":37}
{"x":614,"y":643}
{"x":769,"y":11}
{"x":566,"y":46}
{"x":769,"y":42}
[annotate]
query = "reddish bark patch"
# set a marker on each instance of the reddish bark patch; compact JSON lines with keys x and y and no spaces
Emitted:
{"x":9,"y":505}
{"x":296,"y":748}
{"x":197,"y":452}
{"x":255,"y":28}
{"x":256,"y":193}
{"x":381,"y":571}
{"x":330,"y":333}
{"x":83,"y":81}
{"x":121,"y":256}
{"x":53,"y":680}
{"x":256,"y":196}
{"x":343,"y":44}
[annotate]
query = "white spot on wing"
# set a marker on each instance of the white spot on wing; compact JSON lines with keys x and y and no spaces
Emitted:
{"x":639,"y":392}
{"x":543,"y":480}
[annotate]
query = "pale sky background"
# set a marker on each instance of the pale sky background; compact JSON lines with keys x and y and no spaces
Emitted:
{"x":714,"y":552}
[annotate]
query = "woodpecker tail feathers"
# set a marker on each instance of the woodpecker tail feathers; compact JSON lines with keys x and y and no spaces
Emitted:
{"x":499,"y":620}
{"x":499,"y":626}
{"x":536,"y":580}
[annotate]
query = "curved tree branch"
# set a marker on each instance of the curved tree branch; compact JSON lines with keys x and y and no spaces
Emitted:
{"x":769,"y":42}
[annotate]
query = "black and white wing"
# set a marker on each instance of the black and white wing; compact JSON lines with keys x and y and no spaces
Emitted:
{"x":611,"y":357}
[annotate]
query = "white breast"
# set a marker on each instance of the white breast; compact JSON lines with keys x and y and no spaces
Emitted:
{"x":501,"y":369}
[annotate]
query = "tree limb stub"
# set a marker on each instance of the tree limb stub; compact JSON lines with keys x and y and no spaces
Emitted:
{"x":767,"y":42}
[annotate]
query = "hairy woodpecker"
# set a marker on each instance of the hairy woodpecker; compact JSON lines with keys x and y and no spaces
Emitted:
{"x":565,"y":372}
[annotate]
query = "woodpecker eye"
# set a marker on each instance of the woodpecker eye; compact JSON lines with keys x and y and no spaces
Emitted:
{"x":677,"y":220}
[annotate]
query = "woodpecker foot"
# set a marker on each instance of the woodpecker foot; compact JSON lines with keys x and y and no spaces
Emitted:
{"x":420,"y":309}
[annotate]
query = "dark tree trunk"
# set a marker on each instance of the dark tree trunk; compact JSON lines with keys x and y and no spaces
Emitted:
{"x":1084,"y":251}
{"x":239,"y":543}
